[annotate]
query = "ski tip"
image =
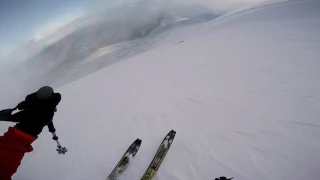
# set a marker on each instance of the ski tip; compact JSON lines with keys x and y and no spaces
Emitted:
{"x":137,"y":141}
{"x":173,"y":131}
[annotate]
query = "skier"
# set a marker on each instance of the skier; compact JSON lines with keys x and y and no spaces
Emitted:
{"x":35,"y":112}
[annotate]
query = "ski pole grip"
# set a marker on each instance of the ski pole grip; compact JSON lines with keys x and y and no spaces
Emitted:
{"x":51,"y":127}
{"x":55,"y":137}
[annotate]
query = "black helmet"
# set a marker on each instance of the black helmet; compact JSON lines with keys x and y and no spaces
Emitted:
{"x":45,"y":92}
{"x":223,"y":178}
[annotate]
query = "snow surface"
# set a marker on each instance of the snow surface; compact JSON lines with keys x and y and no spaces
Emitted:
{"x":241,"y":91}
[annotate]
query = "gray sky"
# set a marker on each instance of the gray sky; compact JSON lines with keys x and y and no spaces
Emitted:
{"x":20,"y":20}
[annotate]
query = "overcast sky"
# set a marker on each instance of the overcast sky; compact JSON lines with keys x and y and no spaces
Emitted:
{"x":20,"y":20}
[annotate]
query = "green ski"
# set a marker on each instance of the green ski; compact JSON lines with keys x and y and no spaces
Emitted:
{"x":158,"y":158}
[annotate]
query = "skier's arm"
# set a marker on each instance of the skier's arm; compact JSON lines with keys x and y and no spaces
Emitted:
{"x":13,"y":145}
{"x":28,"y":100}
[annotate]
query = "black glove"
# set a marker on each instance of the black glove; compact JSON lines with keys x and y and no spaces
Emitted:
{"x":36,"y":113}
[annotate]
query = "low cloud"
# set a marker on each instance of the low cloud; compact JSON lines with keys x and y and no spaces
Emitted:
{"x":118,"y":21}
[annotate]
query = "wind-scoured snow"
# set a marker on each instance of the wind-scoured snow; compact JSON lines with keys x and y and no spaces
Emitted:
{"x":242,"y":92}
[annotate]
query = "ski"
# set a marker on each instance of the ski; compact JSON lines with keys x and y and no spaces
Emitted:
{"x":125,"y":160}
{"x":159,"y":156}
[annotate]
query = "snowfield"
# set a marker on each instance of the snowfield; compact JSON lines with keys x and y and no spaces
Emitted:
{"x":242,"y":92}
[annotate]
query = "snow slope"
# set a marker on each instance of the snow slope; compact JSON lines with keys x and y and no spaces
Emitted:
{"x":242,"y":94}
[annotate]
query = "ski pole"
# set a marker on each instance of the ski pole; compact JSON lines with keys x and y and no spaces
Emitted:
{"x":60,"y":149}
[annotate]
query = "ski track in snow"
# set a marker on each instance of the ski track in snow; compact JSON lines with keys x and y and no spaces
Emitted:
{"x":241,"y":91}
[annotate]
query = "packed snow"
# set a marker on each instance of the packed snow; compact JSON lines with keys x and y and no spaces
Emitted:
{"x":242,"y":92}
